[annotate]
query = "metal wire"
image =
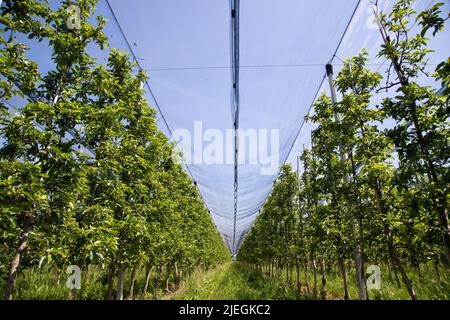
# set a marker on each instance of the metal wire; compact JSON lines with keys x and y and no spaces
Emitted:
{"x":235,"y":102}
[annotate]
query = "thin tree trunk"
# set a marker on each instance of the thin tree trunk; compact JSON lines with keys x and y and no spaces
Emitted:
{"x":443,"y":217}
{"x":297,"y":270}
{"x":344,"y":276}
{"x":177,"y":276}
{"x":397,"y":280}
{"x":167,"y":273}
{"x":315,"y":275}
{"x":391,"y":249}
{"x":111,"y":276}
{"x":399,"y":264}
{"x":167,"y":284}
{"x":419,"y":271}
{"x":273,"y":268}
{"x":132,"y":281}
{"x":23,"y":241}
{"x":362,"y":293}
{"x":436,"y":269}
{"x":396,"y":261}
{"x":157,"y":278}
{"x":291,"y":271}
{"x":323,"y":290}
{"x":339,"y":244}
{"x":287,"y":271}
{"x":363,"y":273}
{"x":278,"y":269}
{"x":305,"y":267}
{"x":119,"y":293}
{"x":389,"y":272}
{"x":148,"y":269}
{"x":357,"y":244}
{"x":73,"y":294}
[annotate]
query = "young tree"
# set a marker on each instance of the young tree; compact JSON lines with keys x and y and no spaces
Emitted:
{"x":39,"y":155}
{"x":369,"y":149}
{"x":421,"y":133}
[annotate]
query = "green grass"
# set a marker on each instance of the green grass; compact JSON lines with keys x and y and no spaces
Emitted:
{"x":232,"y":281}
{"x":427,"y":287}
{"x":50,"y":284}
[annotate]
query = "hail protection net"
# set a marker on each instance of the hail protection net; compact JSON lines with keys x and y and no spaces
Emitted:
{"x":188,"y":49}
{"x":249,"y":69}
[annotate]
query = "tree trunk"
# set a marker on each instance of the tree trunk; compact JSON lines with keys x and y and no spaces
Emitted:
{"x":363,"y":273}
{"x":323,"y":291}
{"x":148,"y":269}
{"x":397,"y":280}
{"x":406,"y":280}
{"x":360,"y":280}
{"x":111,"y":276}
{"x":305,"y":267}
{"x":344,"y":276}
{"x":396,"y":260}
{"x":277,"y":268}
{"x":23,"y":241}
{"x":269,"y":268}
{"x":177,"y":276}
{"x":167,"y":275}
{"x":297,"y":270}
{"x":287,"y":271}
{"x":427,"y":267}
{"x":291,"y":271}
{"x":273,"y":268}
{"x":356,"y":243}
{"x":313,"y":261}
{"x":419,"y":272}
{"x":391,"y":249}
{"x":389,"y":271}
{"x":119,"y":293}
{"x":167,"y":284}
{"x":132,"y":281}
{"x":73,"y":294}
{"x":443,"y":218}
{"x":157,"y":279}
{"x":436,"y":269}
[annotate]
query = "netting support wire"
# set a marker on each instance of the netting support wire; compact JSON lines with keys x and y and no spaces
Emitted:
{"x":235,"y":101}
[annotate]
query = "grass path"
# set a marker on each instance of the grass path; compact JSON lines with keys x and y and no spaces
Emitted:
{"x":232,"y":281}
